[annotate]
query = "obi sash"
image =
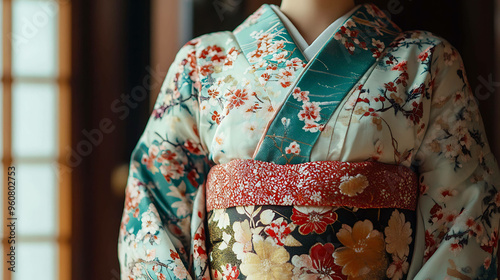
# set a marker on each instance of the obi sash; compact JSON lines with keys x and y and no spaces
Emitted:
{"x":323,"y":183}
{"x":316,"y":220}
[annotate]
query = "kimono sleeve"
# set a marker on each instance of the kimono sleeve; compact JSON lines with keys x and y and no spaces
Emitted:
{"x":459,"y":180}
{"x":163,"y":210}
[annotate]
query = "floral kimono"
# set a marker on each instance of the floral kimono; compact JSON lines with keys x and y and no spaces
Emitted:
{"x":367,"y":160}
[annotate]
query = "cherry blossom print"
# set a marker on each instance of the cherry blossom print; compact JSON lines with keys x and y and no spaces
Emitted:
{"x":221,"y":217}
{"x":424,"y":55}
{"x":264,"y":78}
{"x":161,"y":276}
{"x":199,"y":249}
{"x":180,"y":271}
{"x":237,"y":98}
{"x":279,"y":230}
{"x":313,"y":219}
{"x":313,"y":127}
{"x":450,"y":55}
{"x":310,"y":112}
{"x":214,"y":92}
{"x":497,"y":199}
{"x":397,"y":269}
{"x":280,"y":57}
{"x":318,"y":264}
{"x":285,"y":77}
{"x":216,"y":117}
{"x":391,"y":87}
{"x":379,"y":47}
{"x":231,"y":57}
{"x":489,"y":244}
{"x":204,"y":107}
{"x":402,"y":66}
{"x":446,"y":193}
{"x":174,"y":170}
{"x":150,"y":223}
{"x":182,"y":205}
{"x":300,"y":95}
{"x":285,"y":121}
{"x":293,"y":148}
{"x":295,"y":63}
{"x":348,"y":36}
{"x":251,"y":20}
{"x":206,"y":69}
{"x":193,"y":147}
{"x":134,"y":194}
{"x":230,"y":272}
{"x":243,"y":238}
{"x":214,"y":54}
{"x":150,"y":158}
{"x":416,"y":113}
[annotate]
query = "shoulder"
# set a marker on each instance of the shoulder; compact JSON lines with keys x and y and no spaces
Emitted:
{"x":211,"y":39}
{"x":203,"y":47}
{"x":425,"y":41}
{"x":428,"y":51}
{"x":420,"y":38}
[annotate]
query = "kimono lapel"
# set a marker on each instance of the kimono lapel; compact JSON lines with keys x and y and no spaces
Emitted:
{"x":326,"y":80}
{"x":274,"y":58}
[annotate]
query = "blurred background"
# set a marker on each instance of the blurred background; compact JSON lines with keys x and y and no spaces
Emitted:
{"x":78,"y":79}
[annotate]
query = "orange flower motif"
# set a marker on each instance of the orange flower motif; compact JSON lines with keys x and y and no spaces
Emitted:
{"x":363,"y":256}
{"x":352,"y":186}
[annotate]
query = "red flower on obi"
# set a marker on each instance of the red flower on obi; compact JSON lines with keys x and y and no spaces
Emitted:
{"x":322,"y":260}
{"x":319,"y":264}
{"x":313,"y":218}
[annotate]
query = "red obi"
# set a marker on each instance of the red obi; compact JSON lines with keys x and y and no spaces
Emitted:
{"x":320,"y":183}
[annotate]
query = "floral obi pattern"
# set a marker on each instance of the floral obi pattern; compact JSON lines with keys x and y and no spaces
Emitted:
{"x":320,"y":183}
{"x":316,"y":220}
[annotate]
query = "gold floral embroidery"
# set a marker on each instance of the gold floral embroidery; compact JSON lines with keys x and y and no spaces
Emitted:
{"x":398,"y":235}
{"x":269,"y":262}
{"x":363,"y":256}
{"x":352,"y":186}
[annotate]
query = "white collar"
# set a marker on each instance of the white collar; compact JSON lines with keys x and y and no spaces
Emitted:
{"x":309,"y":51}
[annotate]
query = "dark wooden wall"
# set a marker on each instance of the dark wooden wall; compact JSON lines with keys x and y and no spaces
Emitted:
{"x":110,"y":56}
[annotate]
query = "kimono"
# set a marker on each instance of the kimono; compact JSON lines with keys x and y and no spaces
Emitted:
{"x":367,"y":160}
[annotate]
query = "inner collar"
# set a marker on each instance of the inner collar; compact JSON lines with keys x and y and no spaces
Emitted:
{"x":309,"y":51}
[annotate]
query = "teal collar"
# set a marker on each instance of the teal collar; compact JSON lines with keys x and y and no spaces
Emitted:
{"x":317,"y":88}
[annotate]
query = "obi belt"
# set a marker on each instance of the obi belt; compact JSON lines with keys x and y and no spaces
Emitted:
{"x":315,"y":220}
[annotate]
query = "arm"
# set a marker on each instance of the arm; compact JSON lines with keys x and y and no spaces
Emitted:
{"x":459,"y":202}
{"x":168,"y":167}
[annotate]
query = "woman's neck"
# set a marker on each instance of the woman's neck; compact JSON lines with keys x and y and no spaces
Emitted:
{"x":311,"y":17}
